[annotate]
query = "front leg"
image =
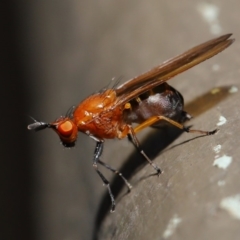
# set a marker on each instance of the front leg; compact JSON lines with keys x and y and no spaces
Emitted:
{"x":97,"y":154}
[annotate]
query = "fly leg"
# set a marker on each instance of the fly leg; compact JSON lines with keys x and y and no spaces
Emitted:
{"x":155,"y":119}
{"x":116,"y":172}
{"x":132,"y":137}
{"x":132,"y":134}
{"x":97,"y":154}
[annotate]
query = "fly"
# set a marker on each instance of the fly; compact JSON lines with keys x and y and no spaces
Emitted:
{"x":146,"y":100}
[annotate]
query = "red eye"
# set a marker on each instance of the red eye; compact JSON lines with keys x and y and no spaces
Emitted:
{"x":65,"y":128}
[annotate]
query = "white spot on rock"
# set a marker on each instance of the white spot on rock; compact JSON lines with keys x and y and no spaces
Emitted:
{"x":210,"y":13}
{"x":221,"y":183}
{"x":232,"y":205}
{"x":171,"y":227}
{"x":217,"y":148}
{"x":223,"y":162}
{"x":222,"y":120}
{"x":233,"y":89}
{"x":215,"y":67}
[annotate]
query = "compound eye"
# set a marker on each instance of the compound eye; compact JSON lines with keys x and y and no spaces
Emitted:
{"x":65,"y":128}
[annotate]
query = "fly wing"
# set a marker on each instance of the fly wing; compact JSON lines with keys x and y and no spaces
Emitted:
{"x":160,"y":74}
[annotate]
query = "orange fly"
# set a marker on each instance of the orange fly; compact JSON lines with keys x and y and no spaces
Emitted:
{"x":146,"y":100}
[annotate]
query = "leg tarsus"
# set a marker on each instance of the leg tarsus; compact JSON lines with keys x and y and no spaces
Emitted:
{"x":213,"y":132}
{"x":207,"y":133}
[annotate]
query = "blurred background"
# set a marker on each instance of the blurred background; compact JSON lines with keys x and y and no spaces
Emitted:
{"x":56,"y":53}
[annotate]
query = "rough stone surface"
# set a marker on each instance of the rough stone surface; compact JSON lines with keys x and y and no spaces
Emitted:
{"x":74,"y":48}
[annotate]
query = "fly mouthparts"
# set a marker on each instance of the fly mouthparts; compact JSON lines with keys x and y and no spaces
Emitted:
{"x":38,"y":126}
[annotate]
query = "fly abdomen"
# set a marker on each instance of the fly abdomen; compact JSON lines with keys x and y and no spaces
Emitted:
{"x":163,"y":100}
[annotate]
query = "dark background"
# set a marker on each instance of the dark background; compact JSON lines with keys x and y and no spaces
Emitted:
{"x":56,"y":53}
